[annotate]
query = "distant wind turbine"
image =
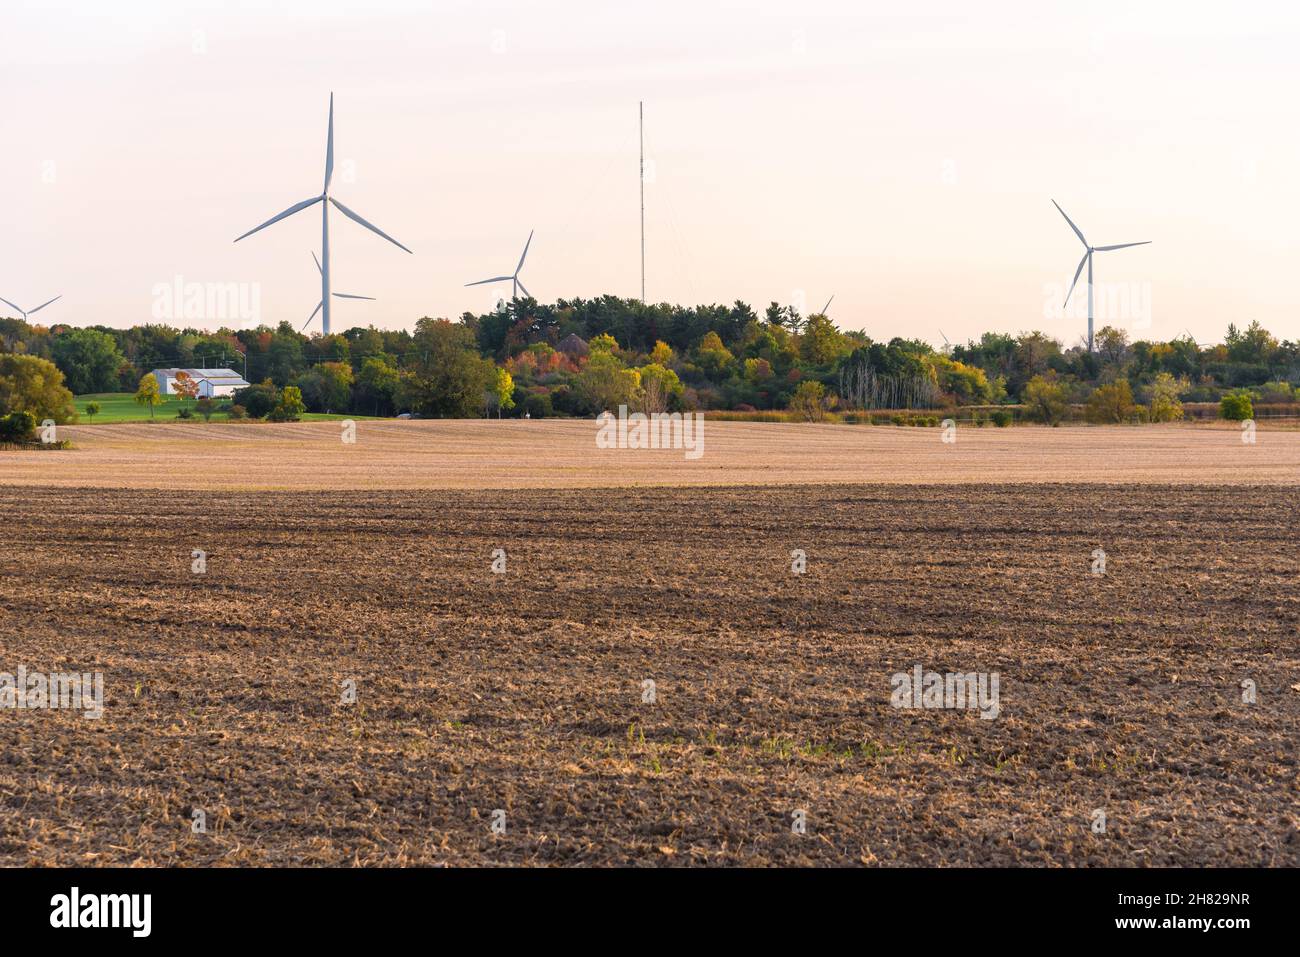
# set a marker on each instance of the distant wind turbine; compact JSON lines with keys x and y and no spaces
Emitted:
{"x":1087,"y":258}
{"x":28,"y":312}
{"x":337,"y":295}
{"x":513,"y":277}
{"x":326,"y":199}
{"x":826,"y":308}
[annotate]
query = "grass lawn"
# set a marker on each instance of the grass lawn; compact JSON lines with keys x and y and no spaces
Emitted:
{"x":122,"y":407}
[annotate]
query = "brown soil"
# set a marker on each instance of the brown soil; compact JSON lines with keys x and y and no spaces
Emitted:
{"x":523,"y":692}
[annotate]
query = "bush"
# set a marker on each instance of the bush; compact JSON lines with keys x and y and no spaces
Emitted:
{"x":1111,"y":404}
{"x":258,"y":400}
{"x":236,"y":411}
{"x":18,"y":427}
{"x":1236,"y":407}
{"x":186,"y":413}
{"x":1001,"y":418}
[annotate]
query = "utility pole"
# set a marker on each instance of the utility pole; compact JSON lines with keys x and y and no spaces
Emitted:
{"x":641,"y":112}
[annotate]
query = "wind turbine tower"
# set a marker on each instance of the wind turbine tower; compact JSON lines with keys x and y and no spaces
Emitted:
{"x":325,"y":199}
{"x":1087,"y":258}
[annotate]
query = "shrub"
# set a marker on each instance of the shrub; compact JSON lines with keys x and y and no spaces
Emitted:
{"x":290,"y":407}
{"x":236,"y":411}
{"x":809,"y":401}
{"x":1045,"y":400}
{"x":1236,"y":406}
{"x":18,"y":427}
{"x":258,"y":400}
{"x":1001,"y":418}
{"x":185,"y":413}
{"x":1111,"y":404}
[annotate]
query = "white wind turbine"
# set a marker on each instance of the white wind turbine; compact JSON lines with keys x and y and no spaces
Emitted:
{"x":1087,"y":258}
{"x":326,"y":199}
{"x":513,"y":277}
{"x":28,"y":312}
{"x":337,"y":295}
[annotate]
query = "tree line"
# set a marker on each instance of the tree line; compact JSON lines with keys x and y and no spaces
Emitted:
{"x":578,"y":357}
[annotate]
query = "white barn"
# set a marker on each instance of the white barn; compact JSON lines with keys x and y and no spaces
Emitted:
{"x":213,"y":383}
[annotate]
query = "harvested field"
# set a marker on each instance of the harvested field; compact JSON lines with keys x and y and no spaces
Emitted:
{"x":523,"y":691}
{"x":473,"y":454}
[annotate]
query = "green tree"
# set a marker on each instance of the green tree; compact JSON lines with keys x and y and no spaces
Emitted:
{"x":258,"y":400}
{"x":89,"y":360}
{"x":92,"y":410}
{"x":821,"y":343}
{"x":1165,"y":405}
{"x":447,"y":377}
{"x":290,"y":407}
{"x":147,"y":392}
{"x":1045,"y":400}
{"x":604,"y":384}
{"x":659,"y":386}
{"x":1236,"y":406}
{"x":35,"y":385}
{"x":1111,"y":403}
{"x":376,"y":385}
{"x":712,"y":356}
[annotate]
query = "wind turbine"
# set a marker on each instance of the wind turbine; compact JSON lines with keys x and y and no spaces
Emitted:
{"x":513,"y":277}
{"x":1087,"y":258}
{"x":325,"y":199}
{"x":337,"y":295}
{"x":28,"y":312}
{"x":826,"y":308}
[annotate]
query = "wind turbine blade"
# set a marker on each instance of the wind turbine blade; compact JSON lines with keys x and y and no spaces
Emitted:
{"x":317,"y":261}
{"x":525,"y":289}
{"x":525,"y":255}
{"x":295,"y":208}
{"x":828,"y":305}
{"x":1102,"y":249}
{"x":12,"y":306}
{"x":1076,"y":279}
{"x":374,"y":229}
{"x":481,"y":282}
{"x":312,"y":316}
{"x":43,"y":305}
{"x":348,"y":295}
{"x":1071,"y":222}
{"x":329,"y":149}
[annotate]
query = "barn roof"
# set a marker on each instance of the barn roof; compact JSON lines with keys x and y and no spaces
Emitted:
{"x":215,"y":376}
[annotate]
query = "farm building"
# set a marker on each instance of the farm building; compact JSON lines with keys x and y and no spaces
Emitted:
{"x":212,"y":382}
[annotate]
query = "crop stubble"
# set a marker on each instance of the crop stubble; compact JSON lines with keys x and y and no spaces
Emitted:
{"x":524,"y":691}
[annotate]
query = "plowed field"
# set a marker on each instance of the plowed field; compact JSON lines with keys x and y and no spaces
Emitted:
{"x":525,"y":692}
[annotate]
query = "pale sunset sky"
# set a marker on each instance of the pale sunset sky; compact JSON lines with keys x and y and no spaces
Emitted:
{"x":901,"y":156}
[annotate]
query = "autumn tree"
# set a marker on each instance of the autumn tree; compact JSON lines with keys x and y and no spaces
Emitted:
{"x":147,"y":393}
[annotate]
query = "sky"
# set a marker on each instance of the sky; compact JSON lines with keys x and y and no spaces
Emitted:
{"x":900,"y":157}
